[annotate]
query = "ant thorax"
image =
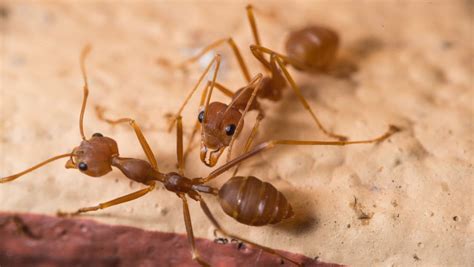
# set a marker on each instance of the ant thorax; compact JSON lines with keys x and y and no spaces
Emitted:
{"x":177,"y":183}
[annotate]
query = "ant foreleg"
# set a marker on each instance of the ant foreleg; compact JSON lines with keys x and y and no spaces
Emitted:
{"x":250,"y":139}
{"x":110,"y":203}
{"x":191,"y":145}
{"x":271,"y":144}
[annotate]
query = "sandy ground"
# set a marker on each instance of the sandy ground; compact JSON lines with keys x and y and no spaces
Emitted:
{"x":406,"y":201}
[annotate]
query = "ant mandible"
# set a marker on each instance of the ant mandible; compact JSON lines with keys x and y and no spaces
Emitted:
{"x":247,"y":199}
{"x":312,"y":48}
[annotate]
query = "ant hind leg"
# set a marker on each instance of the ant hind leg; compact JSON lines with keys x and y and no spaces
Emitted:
{"x":189,"y":231}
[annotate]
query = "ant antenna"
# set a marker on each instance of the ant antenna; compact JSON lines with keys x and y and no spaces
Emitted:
{"x":15,"y":176}
{"x":217,"y":60}
{"x":257,"y":84}
{"x":84,"y":54}
{"x":218,"y":63}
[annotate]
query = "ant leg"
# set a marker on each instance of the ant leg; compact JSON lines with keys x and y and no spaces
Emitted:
{"x":281,"y":60}
{"x":189,"y":231}
{"x":226,"y":91}
{"x":216,"y":60}
{"x":253,"y":24}
{"x":256,"y":37}
{"x":270,"y":144}
{"x":113,"y":202}
{"x":217,"y":43}
{"x":197,"y":125}
{"x":257,"y":84}
{"x":15,"y":176}
{"x":179,"y":146}
{"x":141,"y":138}
{"x":260,"y":50}
{"x":260,"y":57}
{"x":213,"y":220}
{"x":297,"y":91}
{"x":250,"y":139}
{"x":191,"y":145}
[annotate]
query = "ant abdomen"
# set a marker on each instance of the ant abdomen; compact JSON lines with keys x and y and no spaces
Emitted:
{"x":253,"y":202}
{"x":312,"y":48}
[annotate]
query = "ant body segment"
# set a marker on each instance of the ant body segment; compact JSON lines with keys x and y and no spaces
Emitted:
{"x":247,"y":199}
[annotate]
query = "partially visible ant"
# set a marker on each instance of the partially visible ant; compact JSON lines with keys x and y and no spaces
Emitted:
{"x":247,"y":199}
{"x":310,"y":49}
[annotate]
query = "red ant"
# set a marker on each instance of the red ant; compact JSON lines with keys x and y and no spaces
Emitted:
{"x":310,"y":49}
{"x":247,"y":199}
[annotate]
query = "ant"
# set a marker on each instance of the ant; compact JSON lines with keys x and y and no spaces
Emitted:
{"x":310,"y":49}
{"x":247,"y":199}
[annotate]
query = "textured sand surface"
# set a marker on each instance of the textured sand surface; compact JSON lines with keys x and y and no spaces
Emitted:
{"x":406,"y":201}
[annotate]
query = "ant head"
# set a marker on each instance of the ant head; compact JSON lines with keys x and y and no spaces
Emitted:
{"x":219,"y":124}
{"x":93,"y":157}
{"x":313,"y":47}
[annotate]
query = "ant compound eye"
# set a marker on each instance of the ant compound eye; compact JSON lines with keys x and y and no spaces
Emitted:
{"x":82,"y":166}
{"x":201,"y":116}
{"x":98,"y":135}
{"x":230,"y":129}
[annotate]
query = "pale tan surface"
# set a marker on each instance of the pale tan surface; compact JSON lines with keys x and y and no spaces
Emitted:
{"x":415,"y":70}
